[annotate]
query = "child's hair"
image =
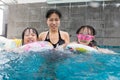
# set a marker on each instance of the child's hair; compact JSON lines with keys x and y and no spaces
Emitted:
{"x":87,"y":26}
{"x":28,"y":28}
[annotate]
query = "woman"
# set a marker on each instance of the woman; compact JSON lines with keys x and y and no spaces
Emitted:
{"x":55,"y":36}
{"x":29,"y":35}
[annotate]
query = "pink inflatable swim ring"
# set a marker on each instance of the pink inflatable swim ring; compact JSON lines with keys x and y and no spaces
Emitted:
{"x":37,"y":46}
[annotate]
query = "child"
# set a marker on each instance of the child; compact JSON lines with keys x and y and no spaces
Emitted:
{"x":29,"y":35}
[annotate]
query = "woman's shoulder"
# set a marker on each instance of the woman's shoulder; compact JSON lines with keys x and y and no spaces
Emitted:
{"x":43,"y":33}
{"x":64,"y":33}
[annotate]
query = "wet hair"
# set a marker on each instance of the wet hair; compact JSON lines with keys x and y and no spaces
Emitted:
{"x":51,"y":11}
{"x":28,"y":28}
{"x":87,"y":26}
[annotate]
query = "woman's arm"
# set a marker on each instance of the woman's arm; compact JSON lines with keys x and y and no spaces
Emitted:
{"x":66,"y":38}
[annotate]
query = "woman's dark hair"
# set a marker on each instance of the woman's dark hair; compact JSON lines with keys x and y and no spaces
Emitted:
{"x":90,"y":27}
{"x":51,"y":11}
{"x":28,"y":28}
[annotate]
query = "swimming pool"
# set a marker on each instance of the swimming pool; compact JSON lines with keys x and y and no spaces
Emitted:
{"x":58,"y":65}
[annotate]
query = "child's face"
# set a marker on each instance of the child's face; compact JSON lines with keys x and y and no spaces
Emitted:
{"x":85,"y":36}
{"x":29,"y":36}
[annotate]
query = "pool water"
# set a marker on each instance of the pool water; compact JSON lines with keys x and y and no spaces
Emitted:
{"x":59,"y":65}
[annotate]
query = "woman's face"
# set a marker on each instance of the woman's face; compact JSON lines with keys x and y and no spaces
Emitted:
{"x":86,"y":33}
{"x":53,"y":21}
{"x":29,"y":36}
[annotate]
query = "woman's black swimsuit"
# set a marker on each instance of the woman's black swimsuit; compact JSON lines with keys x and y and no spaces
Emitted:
{"x":60,"y":41}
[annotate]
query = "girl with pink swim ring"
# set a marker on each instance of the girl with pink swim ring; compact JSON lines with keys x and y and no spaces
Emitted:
{"x":30,"y":39}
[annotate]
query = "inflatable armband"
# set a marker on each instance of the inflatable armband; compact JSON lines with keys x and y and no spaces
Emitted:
{"x":18,"y":42}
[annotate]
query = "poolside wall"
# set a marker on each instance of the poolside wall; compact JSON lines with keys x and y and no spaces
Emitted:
{"x":105,"y":19}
